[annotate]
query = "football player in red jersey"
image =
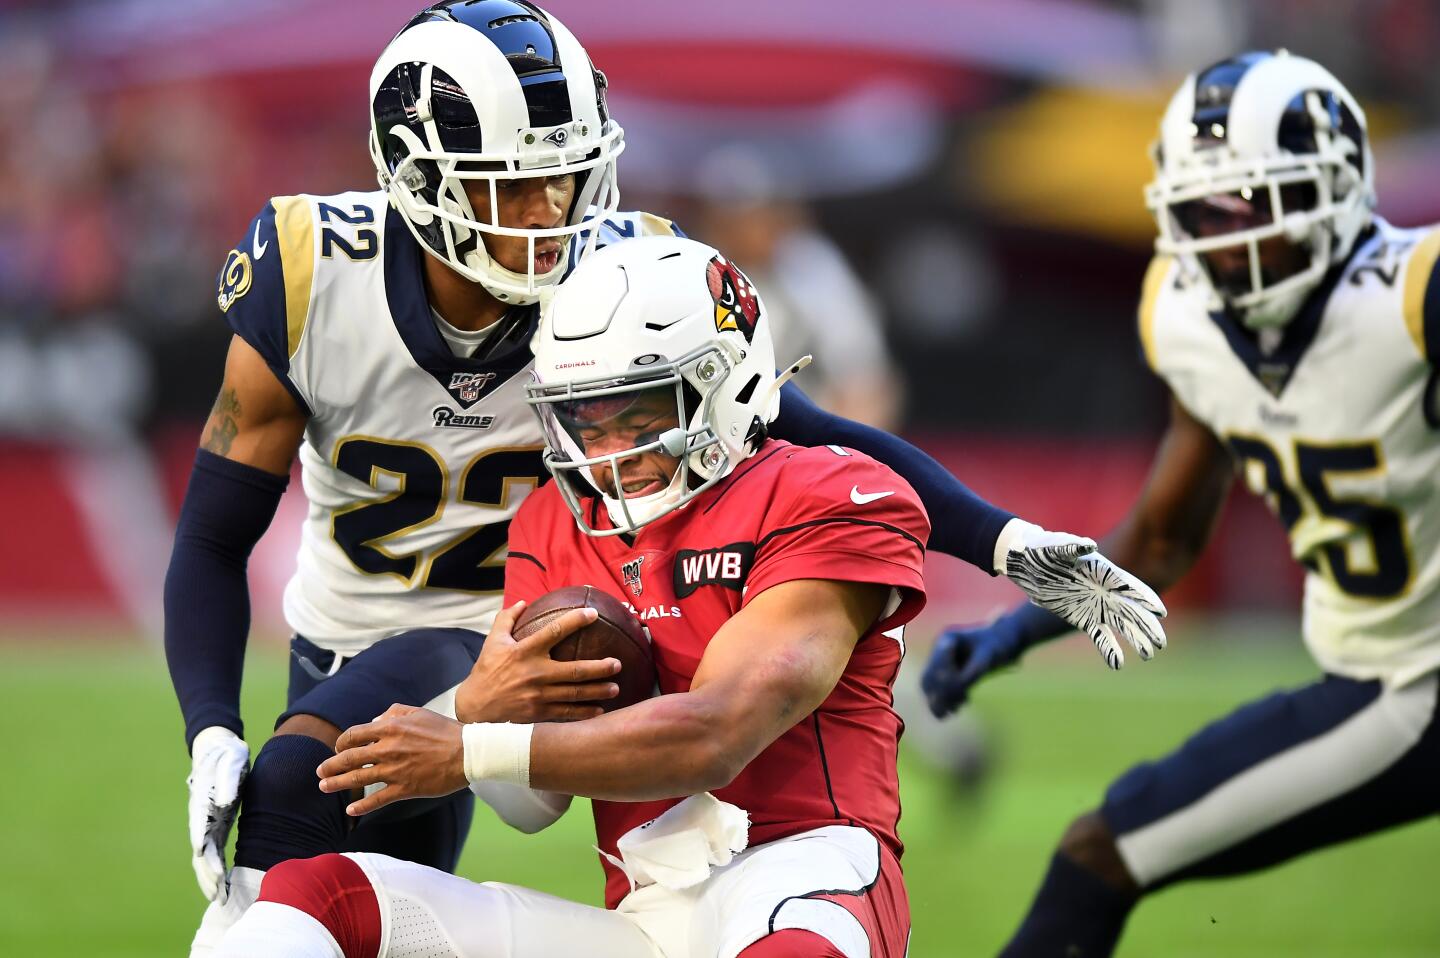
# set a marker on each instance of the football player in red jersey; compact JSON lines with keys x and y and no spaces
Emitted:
{"x":774,"y":580}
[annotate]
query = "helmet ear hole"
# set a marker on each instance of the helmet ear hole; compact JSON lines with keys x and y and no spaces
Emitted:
{"x":747,"y":390}
{"x":413,"y":183}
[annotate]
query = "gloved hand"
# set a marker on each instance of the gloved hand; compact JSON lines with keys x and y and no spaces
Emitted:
{"x":1065,"y":575}
{"x":219,"y":761}
{"x":962,"y":656}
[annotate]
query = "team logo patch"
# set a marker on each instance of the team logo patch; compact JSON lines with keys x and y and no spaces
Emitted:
{"x":467,"y":387}
{"x":737,"y":307}
{"x":558,"y":137}
{"x":236,"y":278}
{"x":727,"y":566}
{"x":630,"y":575}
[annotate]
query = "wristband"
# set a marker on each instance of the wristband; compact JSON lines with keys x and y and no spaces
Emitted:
{"x":497,"y":752}
{"x":1009,"y":538}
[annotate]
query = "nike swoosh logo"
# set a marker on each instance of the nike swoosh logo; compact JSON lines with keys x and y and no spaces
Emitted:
{"x":862,"y":498}
{"x":257,"y":247}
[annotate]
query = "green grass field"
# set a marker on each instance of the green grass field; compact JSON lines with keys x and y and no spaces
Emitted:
{"x":95,"y":856}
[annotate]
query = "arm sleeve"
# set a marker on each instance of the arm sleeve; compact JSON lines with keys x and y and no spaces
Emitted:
{"x":1032,"y":625}
{"x":228,"y":506}
{"x":965,"y":525}
{"x":817,"y":531}
{"x":527,"y":810}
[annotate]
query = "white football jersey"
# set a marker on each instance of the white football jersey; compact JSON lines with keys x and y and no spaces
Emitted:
{"x":1338,"y":428}
{"x":414,"y":460}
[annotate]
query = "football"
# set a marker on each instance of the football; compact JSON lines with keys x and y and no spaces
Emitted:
{"x":615,"y":634}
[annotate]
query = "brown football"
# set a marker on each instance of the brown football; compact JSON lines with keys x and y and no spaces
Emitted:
{"x":615,"y":634}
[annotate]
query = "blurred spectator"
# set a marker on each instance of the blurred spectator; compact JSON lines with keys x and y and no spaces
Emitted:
{"x":816,"y":302}
{"x":61,"y":262}
{"x":73,"y":377}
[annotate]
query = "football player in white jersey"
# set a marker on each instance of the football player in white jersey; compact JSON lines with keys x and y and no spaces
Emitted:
{"x":383,"y":338}
{"x":1299,"y":335}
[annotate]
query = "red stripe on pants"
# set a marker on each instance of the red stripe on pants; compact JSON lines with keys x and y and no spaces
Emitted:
{"x":334,"y":891}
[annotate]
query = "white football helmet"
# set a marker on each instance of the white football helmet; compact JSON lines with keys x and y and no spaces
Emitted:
{"x":1271,"y":145}
{"x":490,"y":90}
{"x":653,"y":313}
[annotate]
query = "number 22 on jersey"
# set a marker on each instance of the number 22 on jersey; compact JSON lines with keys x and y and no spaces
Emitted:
{"x":419,"y":489}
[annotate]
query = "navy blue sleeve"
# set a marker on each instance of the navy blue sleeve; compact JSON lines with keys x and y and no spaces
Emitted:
{"x":962,"y":524}
{"x":228,"y":506}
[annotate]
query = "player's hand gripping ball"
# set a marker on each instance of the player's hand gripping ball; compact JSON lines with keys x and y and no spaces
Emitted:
{"x":615,"y":634}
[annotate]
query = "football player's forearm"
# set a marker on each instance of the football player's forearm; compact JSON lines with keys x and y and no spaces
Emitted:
{"x":227,"y":507}
{"x":666,"y":747}
{"x":1159,"y":557}
{"x":1179,"y":507}
{"x":770,"y":665}
{"x":256,"y":420}
{"x":1168,"y":528}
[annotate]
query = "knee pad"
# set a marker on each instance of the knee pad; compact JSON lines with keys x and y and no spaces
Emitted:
{"x":283,"y":813}
{"x":334,"y":891}
{"x":792,"y":943}
{"x":284,"y":769}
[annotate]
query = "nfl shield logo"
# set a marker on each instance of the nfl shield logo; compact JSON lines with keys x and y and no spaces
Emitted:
{"x":467,"y":387}
{"x":630,"y":574}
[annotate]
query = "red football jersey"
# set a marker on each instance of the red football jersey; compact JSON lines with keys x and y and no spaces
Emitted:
{"x":788,"y":512}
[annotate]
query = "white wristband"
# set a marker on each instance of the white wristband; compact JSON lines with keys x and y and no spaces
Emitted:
{"x":1010,"y":537}
{"x":497,"y":752}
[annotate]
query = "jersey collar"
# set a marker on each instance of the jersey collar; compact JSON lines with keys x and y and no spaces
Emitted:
{"x":467,"y":379}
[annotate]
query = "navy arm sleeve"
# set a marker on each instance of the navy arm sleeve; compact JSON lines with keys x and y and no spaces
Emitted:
{"x":963,"y":524}
{"x":228,"y":506}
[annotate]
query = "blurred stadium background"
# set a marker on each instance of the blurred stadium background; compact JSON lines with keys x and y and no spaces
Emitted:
{"x":941,"y":200}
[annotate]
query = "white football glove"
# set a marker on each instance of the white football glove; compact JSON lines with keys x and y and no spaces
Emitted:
{"x":1065,"y":575}
{"x":219,"y":762}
